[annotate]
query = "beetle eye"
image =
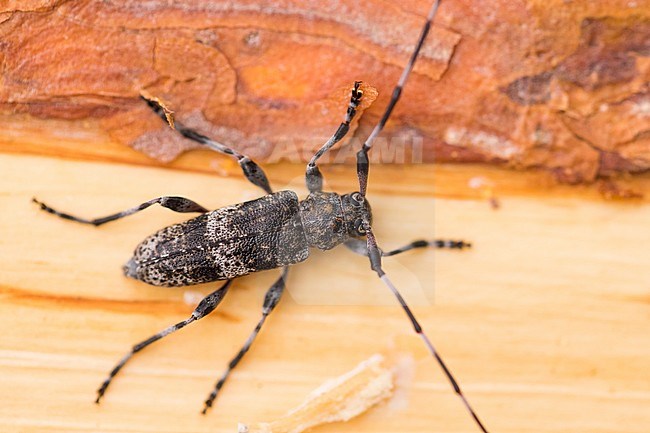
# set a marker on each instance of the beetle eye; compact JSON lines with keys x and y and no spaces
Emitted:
{"x":357,"y":198}
{"x":358,"y":226}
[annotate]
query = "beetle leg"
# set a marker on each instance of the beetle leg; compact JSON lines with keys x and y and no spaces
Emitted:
{"x":270,"y":301}
{"x":205,"y":307}
{"x":177,"y":204}
{"x":253,"y":172}
{"x":360,"y":246}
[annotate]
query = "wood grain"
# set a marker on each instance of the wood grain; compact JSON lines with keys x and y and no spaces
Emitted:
{"x":544,"y":322}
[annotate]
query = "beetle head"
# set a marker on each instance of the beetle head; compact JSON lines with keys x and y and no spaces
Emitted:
{"x":356,"y":210}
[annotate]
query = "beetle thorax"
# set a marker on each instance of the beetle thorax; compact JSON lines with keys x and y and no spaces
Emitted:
{"x":330,"y":219}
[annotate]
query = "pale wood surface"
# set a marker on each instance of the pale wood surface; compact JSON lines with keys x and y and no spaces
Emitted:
{"x":545,"y":322}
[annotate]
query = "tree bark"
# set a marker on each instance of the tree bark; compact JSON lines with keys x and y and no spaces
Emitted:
{"x":561,"y":86}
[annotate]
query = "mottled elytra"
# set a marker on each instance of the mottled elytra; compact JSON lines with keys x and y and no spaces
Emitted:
{"x":276,"y":230}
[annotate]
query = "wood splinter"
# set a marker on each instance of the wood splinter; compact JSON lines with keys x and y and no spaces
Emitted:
{"x":338,"y":399}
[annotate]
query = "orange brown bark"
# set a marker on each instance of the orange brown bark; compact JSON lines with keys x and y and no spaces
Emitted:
{"x":562,"y":86}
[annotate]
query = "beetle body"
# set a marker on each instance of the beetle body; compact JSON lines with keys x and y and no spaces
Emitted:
{"x":270,"y":232}
{"x":274,"y":231}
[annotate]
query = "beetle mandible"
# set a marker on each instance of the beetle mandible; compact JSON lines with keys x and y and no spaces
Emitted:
{"x":273,"y":231}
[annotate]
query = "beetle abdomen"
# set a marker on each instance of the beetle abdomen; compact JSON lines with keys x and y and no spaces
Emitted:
{"x":261,"y":234}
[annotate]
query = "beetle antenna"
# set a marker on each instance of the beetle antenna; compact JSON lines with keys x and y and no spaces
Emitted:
{"x":375,"y":263}
{"x":313,"y":176}
{"x":374,"y":252}
{"x":362,"y":155}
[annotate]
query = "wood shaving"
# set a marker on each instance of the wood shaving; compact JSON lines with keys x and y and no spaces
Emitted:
{"x":338,"y":399}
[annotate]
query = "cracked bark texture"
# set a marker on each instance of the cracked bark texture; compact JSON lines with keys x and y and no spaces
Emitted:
{"x":562,"y":86}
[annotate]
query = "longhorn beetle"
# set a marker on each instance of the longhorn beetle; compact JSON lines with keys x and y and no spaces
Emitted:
{"x":274,"y":231}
